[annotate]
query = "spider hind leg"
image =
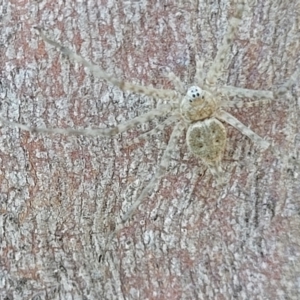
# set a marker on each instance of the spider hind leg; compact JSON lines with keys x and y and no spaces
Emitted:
{"x":162,"y":169}
{"x":228,"y":118}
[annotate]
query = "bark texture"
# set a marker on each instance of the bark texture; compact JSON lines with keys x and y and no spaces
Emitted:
{"x":61,"y":196}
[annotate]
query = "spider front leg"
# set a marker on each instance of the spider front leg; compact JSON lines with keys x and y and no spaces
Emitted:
{"x":263,"y":97}
{"x":98,"y":72}
{"x":217,"y":66}
{"x":228,"y":118}
{"x":239,"y":104}
{"x":286,"y":87}
{"x":199,"y":76}
{"x":232,"y":91}
{"x":106,"y":132}
{"x":179,"y":86}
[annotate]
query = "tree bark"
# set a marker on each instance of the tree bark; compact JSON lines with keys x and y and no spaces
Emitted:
{"x":61,"y":196}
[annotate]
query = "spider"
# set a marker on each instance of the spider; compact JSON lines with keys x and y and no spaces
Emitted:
{"x":200,"y":110}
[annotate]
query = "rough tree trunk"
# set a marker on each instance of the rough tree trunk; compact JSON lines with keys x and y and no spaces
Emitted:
{"x":61,"y":196}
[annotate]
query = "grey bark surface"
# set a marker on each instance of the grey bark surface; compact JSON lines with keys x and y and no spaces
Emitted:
{"x":60,"y":196}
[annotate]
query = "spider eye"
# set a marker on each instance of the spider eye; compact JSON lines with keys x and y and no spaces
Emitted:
{"x":194,"y":92}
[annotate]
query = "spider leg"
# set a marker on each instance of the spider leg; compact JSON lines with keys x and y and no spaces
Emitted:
{"x":215,"y":69}
{"x":108,"y":132}
{"x":240,"y":104}
{"x":284,"y":88}
{"x":232,"y":91}
{"x":228,"y":118}
{"x":155,"y":130}
{"x":199,"y":76}
{"x":98,"y":72}
{"x":216,"y":171}
{"x":160,"y":172}
{"x":177,"y":83}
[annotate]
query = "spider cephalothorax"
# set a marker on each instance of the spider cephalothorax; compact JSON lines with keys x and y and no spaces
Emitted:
{"x":197,"y":105}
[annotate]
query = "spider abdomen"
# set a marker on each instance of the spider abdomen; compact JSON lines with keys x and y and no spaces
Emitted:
{"x":207,"y":139}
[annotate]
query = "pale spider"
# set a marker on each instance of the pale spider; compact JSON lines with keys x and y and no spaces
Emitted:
{"x":200,"y":110}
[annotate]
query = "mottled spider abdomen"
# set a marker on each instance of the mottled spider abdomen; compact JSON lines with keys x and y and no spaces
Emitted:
{"x":207,"y":139}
